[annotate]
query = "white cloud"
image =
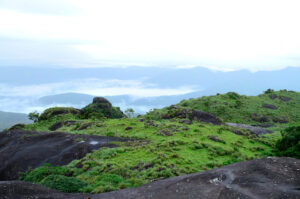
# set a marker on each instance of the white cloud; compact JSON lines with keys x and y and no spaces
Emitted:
{"x":95,"y":87}
{"x":226,"y":35}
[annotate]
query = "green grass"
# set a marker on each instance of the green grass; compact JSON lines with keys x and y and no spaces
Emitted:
{"x":164,"y":148}
{"x":232,"y":107}
{"x":151,"y":156}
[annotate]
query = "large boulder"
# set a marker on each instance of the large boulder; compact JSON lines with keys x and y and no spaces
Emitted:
{"x":253,"y":129}
{"x":183,"y":113}
{"x":101,"y":107}
{"x":273,"y":177}
{"x":23,"y":149}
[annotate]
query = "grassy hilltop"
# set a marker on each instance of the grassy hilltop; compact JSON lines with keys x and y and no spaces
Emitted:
{"x":269,"y":108}
{"x":161,"y":145}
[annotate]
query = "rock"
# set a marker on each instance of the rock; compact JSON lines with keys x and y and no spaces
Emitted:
{"x":56,"y":126}
{"x":204,"y":117}
{"x":237,"y":132}
{"x":150,"y":123}
{"x":252,"y":129}
{"x":264,"y":125}
{"x":216,"y":139}
{"x":141,"y":120}
{"x":261,"y":119}
{"x":192,"y":115}
{"x":84,"y":126}
{"x":101,"y":100}
{"x":101,"y":107}
{"x":273,"y":177}
{"x":22,"y":149}
{"x":282,"y":120}
{"x":164,"y":132}
{"x":269,"y":106}
{"x":189,"y":122}
{"x":285,"y":99}
{"x":272,"y":96}
{"x":128,"y":128}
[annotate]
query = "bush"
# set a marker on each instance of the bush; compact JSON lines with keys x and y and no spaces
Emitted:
{"x":63,"y":183}
{"x":289,"y":145}
{"x":38,"y":174}
{"x":269,"y":91}
{"x":34,"y":116}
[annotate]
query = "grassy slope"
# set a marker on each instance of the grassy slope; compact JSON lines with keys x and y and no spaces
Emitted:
{"x":186,"y":151}
{"x":238,"y":108}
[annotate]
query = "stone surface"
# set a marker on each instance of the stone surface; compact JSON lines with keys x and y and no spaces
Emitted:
{"x":21,"y":149}
{"x":270,"y":178}
{"x":252,"y":129}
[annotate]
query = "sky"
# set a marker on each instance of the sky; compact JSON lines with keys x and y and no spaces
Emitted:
{"x":217,"y":34}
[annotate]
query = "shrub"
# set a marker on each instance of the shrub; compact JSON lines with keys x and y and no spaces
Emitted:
{"x":34,"y":116}
{"x":289,"y":145}
{"x":38,"y":174}
{"x":269,"y":91}
{"x":63,"y":183}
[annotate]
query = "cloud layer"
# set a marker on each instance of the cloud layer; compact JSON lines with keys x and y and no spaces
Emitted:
{"x":222,"y":35}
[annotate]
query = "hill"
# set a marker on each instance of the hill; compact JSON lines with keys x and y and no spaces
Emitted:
{"x":271,"y":107}
{"x":182,"y":139}
{"x":8,"y":119}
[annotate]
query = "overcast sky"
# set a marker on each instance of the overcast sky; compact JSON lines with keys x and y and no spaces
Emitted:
{"x":217,"y":34}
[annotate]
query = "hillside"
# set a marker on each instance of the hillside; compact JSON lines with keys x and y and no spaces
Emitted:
{"x":173,"y":144}
{"x":272,"y":107}
{"x":8,"y":119}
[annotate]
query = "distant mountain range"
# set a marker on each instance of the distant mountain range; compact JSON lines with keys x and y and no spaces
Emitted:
{"x":201,"y":80}
{"x":8,"y":119}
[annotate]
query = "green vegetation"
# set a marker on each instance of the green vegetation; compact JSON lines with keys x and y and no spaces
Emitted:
{"x":34,"y":116}
{"x":272,"y":107}
{"x":163,"y":148}
{"x":289,"y":145}
{"x":52,"y":112}
{"x":101,"y":108}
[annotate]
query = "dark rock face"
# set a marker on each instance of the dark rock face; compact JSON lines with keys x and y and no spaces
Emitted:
{"x":282,"y":120}
{"x":274,"y":178}
{"x":261,"y":119}
{"x":84,"y":126}
{"x":193,"y":115}
{"x":101,"y":100}
{"x":285,"y":99}
{"x":22,"y":149}
{"x":269,"y":106}
{"x":204,"y":117}
{"x":272,"y":96}
{"x":252,"y":129}
{"x":128,"y":128}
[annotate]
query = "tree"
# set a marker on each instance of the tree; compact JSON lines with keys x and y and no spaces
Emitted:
{"x":129,"y":112}
{"x":34,"y":116}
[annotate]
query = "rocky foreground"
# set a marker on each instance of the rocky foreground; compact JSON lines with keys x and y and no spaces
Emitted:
{"x":21,"y":149}
{"x":271,"y":178}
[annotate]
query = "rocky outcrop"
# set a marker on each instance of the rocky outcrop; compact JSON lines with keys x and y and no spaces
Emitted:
{"x":252,"y":129}
{"x":101,"y":107}
{"x":273,"y":177}
{"x":193,"y":115}
{"x":269,"y":106}
{"x":23,"y":149}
